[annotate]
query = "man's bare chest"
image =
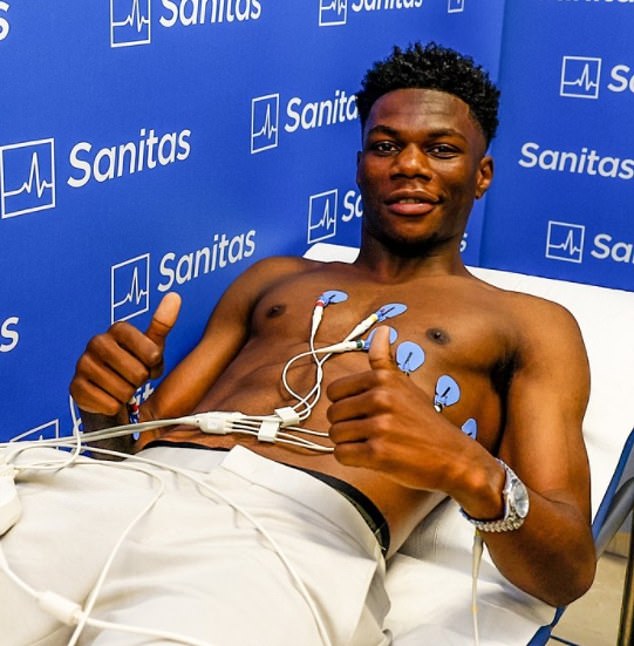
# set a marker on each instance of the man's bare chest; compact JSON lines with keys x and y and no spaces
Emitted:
{"x":435,"y":322}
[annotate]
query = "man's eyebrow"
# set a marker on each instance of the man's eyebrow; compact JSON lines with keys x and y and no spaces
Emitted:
{"x":381,"y":129}
{"x":446,"y":132}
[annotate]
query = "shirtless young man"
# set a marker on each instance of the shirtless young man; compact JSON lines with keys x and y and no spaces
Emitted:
{"x":427,"y":118}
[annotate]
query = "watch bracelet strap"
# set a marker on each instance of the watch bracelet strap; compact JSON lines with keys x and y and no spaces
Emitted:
{"x":500,"y":525}
{"x":497,"y":526}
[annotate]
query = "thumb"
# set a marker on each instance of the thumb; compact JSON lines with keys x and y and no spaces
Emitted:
{"x":380,"y":355}
{"x":164,"y":318}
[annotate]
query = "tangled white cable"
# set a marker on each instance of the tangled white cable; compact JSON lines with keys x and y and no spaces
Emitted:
{"x":283,"y":426}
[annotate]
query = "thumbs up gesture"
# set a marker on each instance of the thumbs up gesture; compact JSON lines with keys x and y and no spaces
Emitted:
{"x":120,"y":360}
{"x":380,"y":419}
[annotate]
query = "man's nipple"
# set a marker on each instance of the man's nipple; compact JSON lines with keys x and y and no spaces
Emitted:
{"x":438,"y":335}
{"x":275,"y":311}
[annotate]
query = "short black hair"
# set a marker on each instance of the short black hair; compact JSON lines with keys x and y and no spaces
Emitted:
{"x":433,"y":67}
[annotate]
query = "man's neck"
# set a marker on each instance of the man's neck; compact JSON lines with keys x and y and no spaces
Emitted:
{"x":388,"y":266}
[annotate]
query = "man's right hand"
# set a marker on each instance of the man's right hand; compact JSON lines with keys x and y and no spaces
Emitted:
{"x":117,"y":362}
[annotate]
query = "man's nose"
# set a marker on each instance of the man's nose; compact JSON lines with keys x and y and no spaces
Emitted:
{"x":411,"y":161}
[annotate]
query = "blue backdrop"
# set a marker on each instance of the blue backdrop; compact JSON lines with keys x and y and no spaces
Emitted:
{"x":155,"y":145}
{"x":562,"y":204}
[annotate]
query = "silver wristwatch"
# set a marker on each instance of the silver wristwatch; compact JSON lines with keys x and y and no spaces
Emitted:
{"x":516,"y":505}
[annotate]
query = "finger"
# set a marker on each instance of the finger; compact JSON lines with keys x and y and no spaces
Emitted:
{"x":164,"y":318}
{"x":380,"y":354}
{"x":355,"y":454}
{"x":125,"y":350}
{"x":95,"y":401}
{"x":114,"y":383}
{"x":91,"y":398}
{"x":93,"y":374}
{"x":351,"y":385}
{"x":348,"y":431}
{"x":361,"y":405}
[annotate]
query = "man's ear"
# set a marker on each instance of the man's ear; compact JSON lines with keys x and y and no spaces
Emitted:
{"x":485,"y":176}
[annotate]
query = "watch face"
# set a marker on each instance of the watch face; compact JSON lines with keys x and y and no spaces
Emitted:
{"x":519,"y":496}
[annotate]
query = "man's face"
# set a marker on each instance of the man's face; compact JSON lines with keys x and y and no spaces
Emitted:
{"x":421,"y":167}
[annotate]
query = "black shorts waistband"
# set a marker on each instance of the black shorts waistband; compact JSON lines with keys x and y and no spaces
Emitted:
{"x":184,"y":445}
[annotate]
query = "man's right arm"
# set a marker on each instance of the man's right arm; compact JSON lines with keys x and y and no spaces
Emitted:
{"x":119,"y":361}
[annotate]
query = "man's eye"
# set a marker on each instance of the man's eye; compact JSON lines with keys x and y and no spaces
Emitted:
{"x":384,"y":147}
{"x":443,"y":150}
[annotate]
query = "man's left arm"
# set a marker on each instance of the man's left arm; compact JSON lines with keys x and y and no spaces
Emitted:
{"x":381,"y":420}
{"x":552,"y":555}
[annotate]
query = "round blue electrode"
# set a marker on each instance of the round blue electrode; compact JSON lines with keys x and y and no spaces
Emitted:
{"x":390,"y":311}
{"x":333,"y":296}
{"x":447,"y":392}
{"x":409,"y":356}
{"x":470,"y":428}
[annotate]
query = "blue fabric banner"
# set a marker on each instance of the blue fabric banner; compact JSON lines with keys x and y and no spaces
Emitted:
{"x":157,"y":145}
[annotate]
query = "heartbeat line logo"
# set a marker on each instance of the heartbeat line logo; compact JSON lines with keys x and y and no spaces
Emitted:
{"x":565,"y":241}
{"x":322,"y":216}
{"x":27,"y":177}
{"x":265,"y":119}
{"x":580,"y":77}
{"x":129,"y":23}
{"x":333,"y":12}
{"x":130,"y":288}
{"x":455,"y":6}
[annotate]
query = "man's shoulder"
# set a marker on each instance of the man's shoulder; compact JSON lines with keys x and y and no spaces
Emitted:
{"x":531,"y":304}
{"x":274,"y":267}
{"x":280,"y":266}
{"x":284,"y":263}
{"x":271,"y":271}
{"x":518,"y":299}
{"x":528,"y":313}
